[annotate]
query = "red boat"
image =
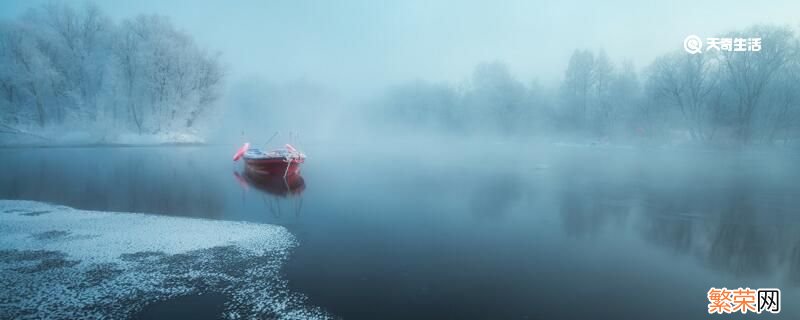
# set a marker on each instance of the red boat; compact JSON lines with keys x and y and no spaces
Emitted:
{"x":279,"y":162}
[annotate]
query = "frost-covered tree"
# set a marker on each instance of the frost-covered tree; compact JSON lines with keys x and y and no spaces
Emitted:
{"x":586,"y":94}
{"x":73,"y":67}
{"x":496,"y":98}
{"x":779,"y":118}
{"x":167,"y":82}
{"x":624,"y":101}
{"x":429,"y":105}
{"x":26,"y":77}
{"x":75,"y":42}
{"x":748,"y":95}
{"x":578,"y":84}
{"x":750,"y":75}
{"x":491,"y":100}
{"x":690,"y":83}
{"x":602,"y":106}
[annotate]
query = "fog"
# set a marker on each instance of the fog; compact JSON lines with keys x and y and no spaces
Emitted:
{"x":612,"y":72}
{"x":361,"y":45}
{"x":460,"y":159}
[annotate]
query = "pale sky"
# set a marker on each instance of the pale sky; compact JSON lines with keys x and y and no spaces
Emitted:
{"x":363,"y":45}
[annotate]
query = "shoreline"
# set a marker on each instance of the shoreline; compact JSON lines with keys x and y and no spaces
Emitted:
{"x":87,"y":140}
{"x":124,"y":264}
{"x":103,"y":145}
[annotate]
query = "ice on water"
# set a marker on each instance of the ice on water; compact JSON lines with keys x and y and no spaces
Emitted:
{"x":62,"y":263}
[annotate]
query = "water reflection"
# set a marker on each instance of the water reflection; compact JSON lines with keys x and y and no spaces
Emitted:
{"x":291,"y":185}
{"x":794,"y":264}
{"x":496,"y":195}
{"x":741,"y":224}
{"x":589,"y":202}
{"x":274,"y":189}
{"x":741,"y":235}
{"x":153,"y":180}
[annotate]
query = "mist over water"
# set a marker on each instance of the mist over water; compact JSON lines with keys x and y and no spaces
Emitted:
{"x":473,"y":160}
{"x":495,"y":229}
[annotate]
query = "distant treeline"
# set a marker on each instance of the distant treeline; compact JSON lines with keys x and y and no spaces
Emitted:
{"x":68,"y":67}
{"x":731,"y":96}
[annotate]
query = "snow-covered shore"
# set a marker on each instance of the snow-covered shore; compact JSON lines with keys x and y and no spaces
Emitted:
{"x":61,"y":263}
{"x":72,"y":138}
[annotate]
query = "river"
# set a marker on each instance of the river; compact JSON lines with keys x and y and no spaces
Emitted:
{"x":472,"y":231}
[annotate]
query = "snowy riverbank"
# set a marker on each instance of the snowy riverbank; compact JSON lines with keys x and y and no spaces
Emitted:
{"x":72,"y":138}
{"x":61,"y":263}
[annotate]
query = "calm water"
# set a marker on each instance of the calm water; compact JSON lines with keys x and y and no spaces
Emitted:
{"x":474,"y":231}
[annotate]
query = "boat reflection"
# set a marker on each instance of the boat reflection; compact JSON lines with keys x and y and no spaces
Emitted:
{"x":291,"y":185}
{"x":275,"y":190}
